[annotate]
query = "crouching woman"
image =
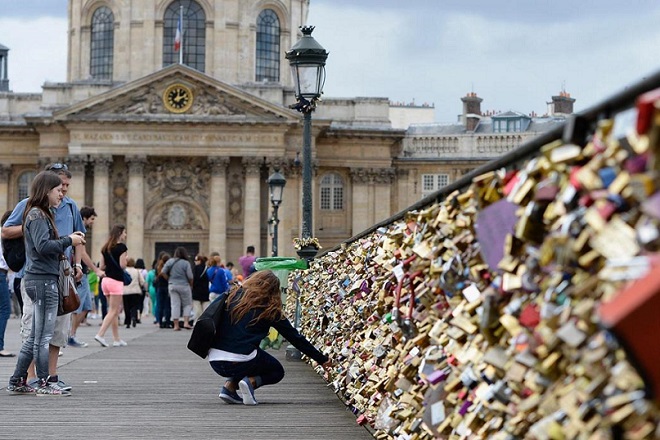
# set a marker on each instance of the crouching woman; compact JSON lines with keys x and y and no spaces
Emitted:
{"x":249,"y":313}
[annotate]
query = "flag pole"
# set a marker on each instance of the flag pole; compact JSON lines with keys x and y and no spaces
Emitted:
{"x":181,"y":30}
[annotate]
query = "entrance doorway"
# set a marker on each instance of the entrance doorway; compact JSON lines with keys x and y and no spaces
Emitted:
{"x":169,"y":246}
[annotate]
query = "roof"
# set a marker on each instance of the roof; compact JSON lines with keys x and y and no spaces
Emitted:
{"x":537,"y":124}
{"x":511,"y":114}
{"x":3,"y":47}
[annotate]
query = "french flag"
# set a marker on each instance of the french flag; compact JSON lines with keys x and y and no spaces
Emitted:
{"x":177,"y":37}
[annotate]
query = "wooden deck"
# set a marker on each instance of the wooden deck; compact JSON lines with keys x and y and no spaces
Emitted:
{"x":156,"y":388}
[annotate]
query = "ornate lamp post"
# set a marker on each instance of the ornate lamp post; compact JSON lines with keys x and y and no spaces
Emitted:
{"x":276,"y":182}
{"x":307,"y":59}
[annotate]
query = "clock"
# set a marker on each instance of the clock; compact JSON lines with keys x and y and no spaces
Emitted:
{"x":178,"y":98}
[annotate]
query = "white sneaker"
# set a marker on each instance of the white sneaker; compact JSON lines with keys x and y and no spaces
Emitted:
{"x":119,"y":343}
{"x":101,"y":341}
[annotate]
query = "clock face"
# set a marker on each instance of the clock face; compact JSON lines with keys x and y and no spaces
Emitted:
{"x":178,"y":98}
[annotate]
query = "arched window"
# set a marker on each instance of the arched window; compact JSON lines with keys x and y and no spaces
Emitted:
{"x":332,"y":192}
{"x":102,"y":43}
{"x":192,"y":35}
{"x":268,"y":46}
{"x":24,"y":181}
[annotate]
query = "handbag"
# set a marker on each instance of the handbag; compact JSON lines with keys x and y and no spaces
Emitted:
{"x":205,"y":329}
{"x":69,"y":299}
{"x":128,"y":279}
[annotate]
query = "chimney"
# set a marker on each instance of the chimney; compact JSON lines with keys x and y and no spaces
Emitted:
{"x":471,"y":111}
{"x":4,"y":79}
{"x":561,"y":104}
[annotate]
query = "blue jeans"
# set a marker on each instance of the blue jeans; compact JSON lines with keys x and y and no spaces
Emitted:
{"x":46,"y":298}
{"x":164,"y":311}
{"x":264,"y":368}
{"x":5,"y":307}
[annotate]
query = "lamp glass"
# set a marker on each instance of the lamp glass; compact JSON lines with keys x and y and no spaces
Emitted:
{"x":276,"y":182}
{"x":276,"y":194}
{"x":308,"y":79}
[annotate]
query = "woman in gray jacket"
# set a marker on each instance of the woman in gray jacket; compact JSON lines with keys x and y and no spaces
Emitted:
{"x":180,"y":279}
{"x":43,"y":249}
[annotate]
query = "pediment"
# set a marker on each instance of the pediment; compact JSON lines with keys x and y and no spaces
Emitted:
{"x":143,"y":100}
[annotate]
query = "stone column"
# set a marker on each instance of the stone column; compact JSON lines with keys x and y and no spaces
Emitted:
{"x":252,"y":204}
{"x":383,"y":179}
{"x":5,"y":170}
{"x":403,"y":189}
{"x":77,"y":189}
{"x":135,"y":209}
{"x":360,"y":196}
{"x":101,"y":199}
{"x":218,"y":206}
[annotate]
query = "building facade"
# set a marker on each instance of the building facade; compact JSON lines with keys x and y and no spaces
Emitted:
{"x":174,"y":133}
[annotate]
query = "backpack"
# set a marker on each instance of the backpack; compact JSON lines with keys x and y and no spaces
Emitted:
{"x":14,"y":253}
{"x":203,"y":332}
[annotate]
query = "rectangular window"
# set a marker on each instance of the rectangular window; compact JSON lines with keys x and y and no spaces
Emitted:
{"x":325,"y":198}
{"x":433,"y":182}
{"x":339,"y":198}
{"x":428,"y":182}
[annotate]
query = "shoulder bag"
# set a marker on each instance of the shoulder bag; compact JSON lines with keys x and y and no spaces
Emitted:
{"x":69,"y":299}
{"x":14,"y":252}
{"x":205,"y":329}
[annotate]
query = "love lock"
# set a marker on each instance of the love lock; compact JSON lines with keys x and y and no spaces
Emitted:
{"x":407,"y":325}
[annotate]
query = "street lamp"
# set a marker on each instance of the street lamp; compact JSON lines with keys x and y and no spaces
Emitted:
{"x":276,"y":182}
{"x":307,"y":59}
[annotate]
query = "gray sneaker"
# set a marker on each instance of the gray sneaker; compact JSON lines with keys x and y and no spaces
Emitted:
{"x":20,"y":386}
{"x":60,"y":385}
{"x":51,"y":389}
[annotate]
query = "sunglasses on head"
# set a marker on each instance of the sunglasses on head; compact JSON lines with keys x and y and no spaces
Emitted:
{"x":58,"y":166}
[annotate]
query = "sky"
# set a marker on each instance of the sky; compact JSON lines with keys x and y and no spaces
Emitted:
{"x":515,"y":54}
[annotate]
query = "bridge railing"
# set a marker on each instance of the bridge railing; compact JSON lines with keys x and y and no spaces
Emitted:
{"x":474,"y":312}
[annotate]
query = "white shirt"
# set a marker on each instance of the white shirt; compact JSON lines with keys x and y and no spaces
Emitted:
{"x":221,"y":355}
{"x":3,"y":263}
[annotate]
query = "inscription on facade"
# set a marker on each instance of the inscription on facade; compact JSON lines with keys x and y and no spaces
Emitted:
{"x":230,"y":139}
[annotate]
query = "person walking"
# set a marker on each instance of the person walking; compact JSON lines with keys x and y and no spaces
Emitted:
{"x":249,"y":313}
{"x":113,"y":262}
{"x":43,"y":249}
{"x":84,"y":291}
{"x":151,"y":287}
{"x":247,"y":262}
{"x":233,"y":272}
{"x":5,"y":302}
{"x":180,"y":277}
{"x":164,"y":312}
{"x":200,"y":289}
{"x":217,"y":278}
{"x":132,"y":294}
{"x":144,"y":301}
